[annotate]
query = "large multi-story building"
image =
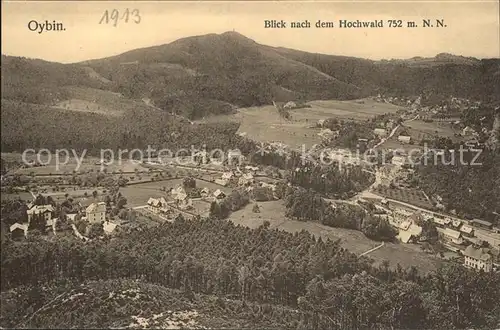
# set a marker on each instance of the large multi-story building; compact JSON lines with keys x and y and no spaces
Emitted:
{"x":96,"y":212}
{"x":478,"y":258}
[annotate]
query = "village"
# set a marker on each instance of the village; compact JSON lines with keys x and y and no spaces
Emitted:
{"x":200,"y":186}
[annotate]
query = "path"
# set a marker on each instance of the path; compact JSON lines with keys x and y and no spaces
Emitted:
{"x":77,"y":233}
{"x":371,"y":250}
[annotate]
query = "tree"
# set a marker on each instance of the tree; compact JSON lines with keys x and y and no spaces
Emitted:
{"x":189,"y":183}
{"x":40,"y":200}
{"x":121,"y":202}
{"x":95,"y":230}
{"x":37,"y":223}
{"x":94,"y":194}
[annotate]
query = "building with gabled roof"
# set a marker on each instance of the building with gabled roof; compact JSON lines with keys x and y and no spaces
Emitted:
{"x":109,"y":227}
{"x":45,"y":210}
{"x":219,"y":194}
{"x":96,"y":212}
{"x":451,"y":235}
{"x":204,"y":192}
{"x":19,"y":230}
{"x":478,"y":258}
{"x":467,"y":230}
{"x":156,"y":205}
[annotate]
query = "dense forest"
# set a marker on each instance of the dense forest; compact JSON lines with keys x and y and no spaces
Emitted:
{"x":471,"y":190}
{"x":307,"y":205}
{"x":53,"y":129}
{"x":215,"y":257}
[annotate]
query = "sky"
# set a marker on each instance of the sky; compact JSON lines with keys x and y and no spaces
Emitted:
{"x":472,"y":28}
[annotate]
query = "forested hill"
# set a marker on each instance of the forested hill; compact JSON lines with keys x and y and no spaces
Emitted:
{"x":111,"y":101}
{"x":298,"y":281}
{"x":214,"y":73}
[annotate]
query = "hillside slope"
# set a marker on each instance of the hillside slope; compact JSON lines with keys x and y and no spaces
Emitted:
{"x":134,"y":304}
{"x":201,"y":76}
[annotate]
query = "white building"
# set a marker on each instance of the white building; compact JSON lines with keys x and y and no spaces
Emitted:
{"x":404,"y":139}
{"x":451,"y":235}
{"x":109,"y":227}
{"x":478,"y":258}
{"x":96,"y":212}
{"x":219,"y":194}
{"x":44,"y":210}
{"x":381,"y":132}
{"x":156,"y":205}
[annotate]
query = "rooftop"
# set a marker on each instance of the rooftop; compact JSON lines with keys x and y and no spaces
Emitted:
{"x":478,"y":254}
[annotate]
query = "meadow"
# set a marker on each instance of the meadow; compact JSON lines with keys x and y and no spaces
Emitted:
{"x":406,"y":255}
{"x":264,"y":124}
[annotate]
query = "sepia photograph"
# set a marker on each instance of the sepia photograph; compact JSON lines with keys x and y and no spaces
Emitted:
{"x":250,"y":165}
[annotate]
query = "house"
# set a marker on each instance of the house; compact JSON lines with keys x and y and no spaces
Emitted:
{"x":404,"y":139}
{"x":222,"y":182}
{"x":404,"y":225}
{"x":186,"y":203}
{"x":245,"y":179}
{"x":455,"y":224}
{"x":71,"y":216}
{"x":451,"y":235}
{"x":219,"y":194}
{"x":18,"y":230}
{"x":177,"y":190}
{"x":412,"y":233}
{"x":478,"y":258}
{"x":320,"y":123}
{"x":467,"y":131}
{"x":36,"y":210}
{"x":467,"y":230}
{"x":290,"y":105}
{"x":109,"y":227}
{"x":96,"y":212}
{"x":179,"y":198}
{"x":205,"y":192}
{"x":384,"y":202}
{"x":157,"y":205}
{"x":398,"y":160}
{"x":227,"y":175}
{"x":441,"y":222}
{"x":381,"y":132}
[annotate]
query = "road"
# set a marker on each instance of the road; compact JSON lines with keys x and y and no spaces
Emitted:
{"x":371,"y":250}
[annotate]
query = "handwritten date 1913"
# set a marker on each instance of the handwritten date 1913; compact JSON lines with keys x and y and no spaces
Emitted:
{"x":114,"y":16}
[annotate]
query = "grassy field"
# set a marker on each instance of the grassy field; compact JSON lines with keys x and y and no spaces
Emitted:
{"x":25,"y":196}
{"x":406,"y":255}
{"x":98,"y":101}
{"x":353,"y":240}
{"x":264,"y":124}
{"x":88,"y":164}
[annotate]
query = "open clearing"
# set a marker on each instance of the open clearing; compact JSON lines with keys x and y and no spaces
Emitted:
{"x":67,"y":166}
{"x":353,"y":240}
{"x":264,"y":124}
